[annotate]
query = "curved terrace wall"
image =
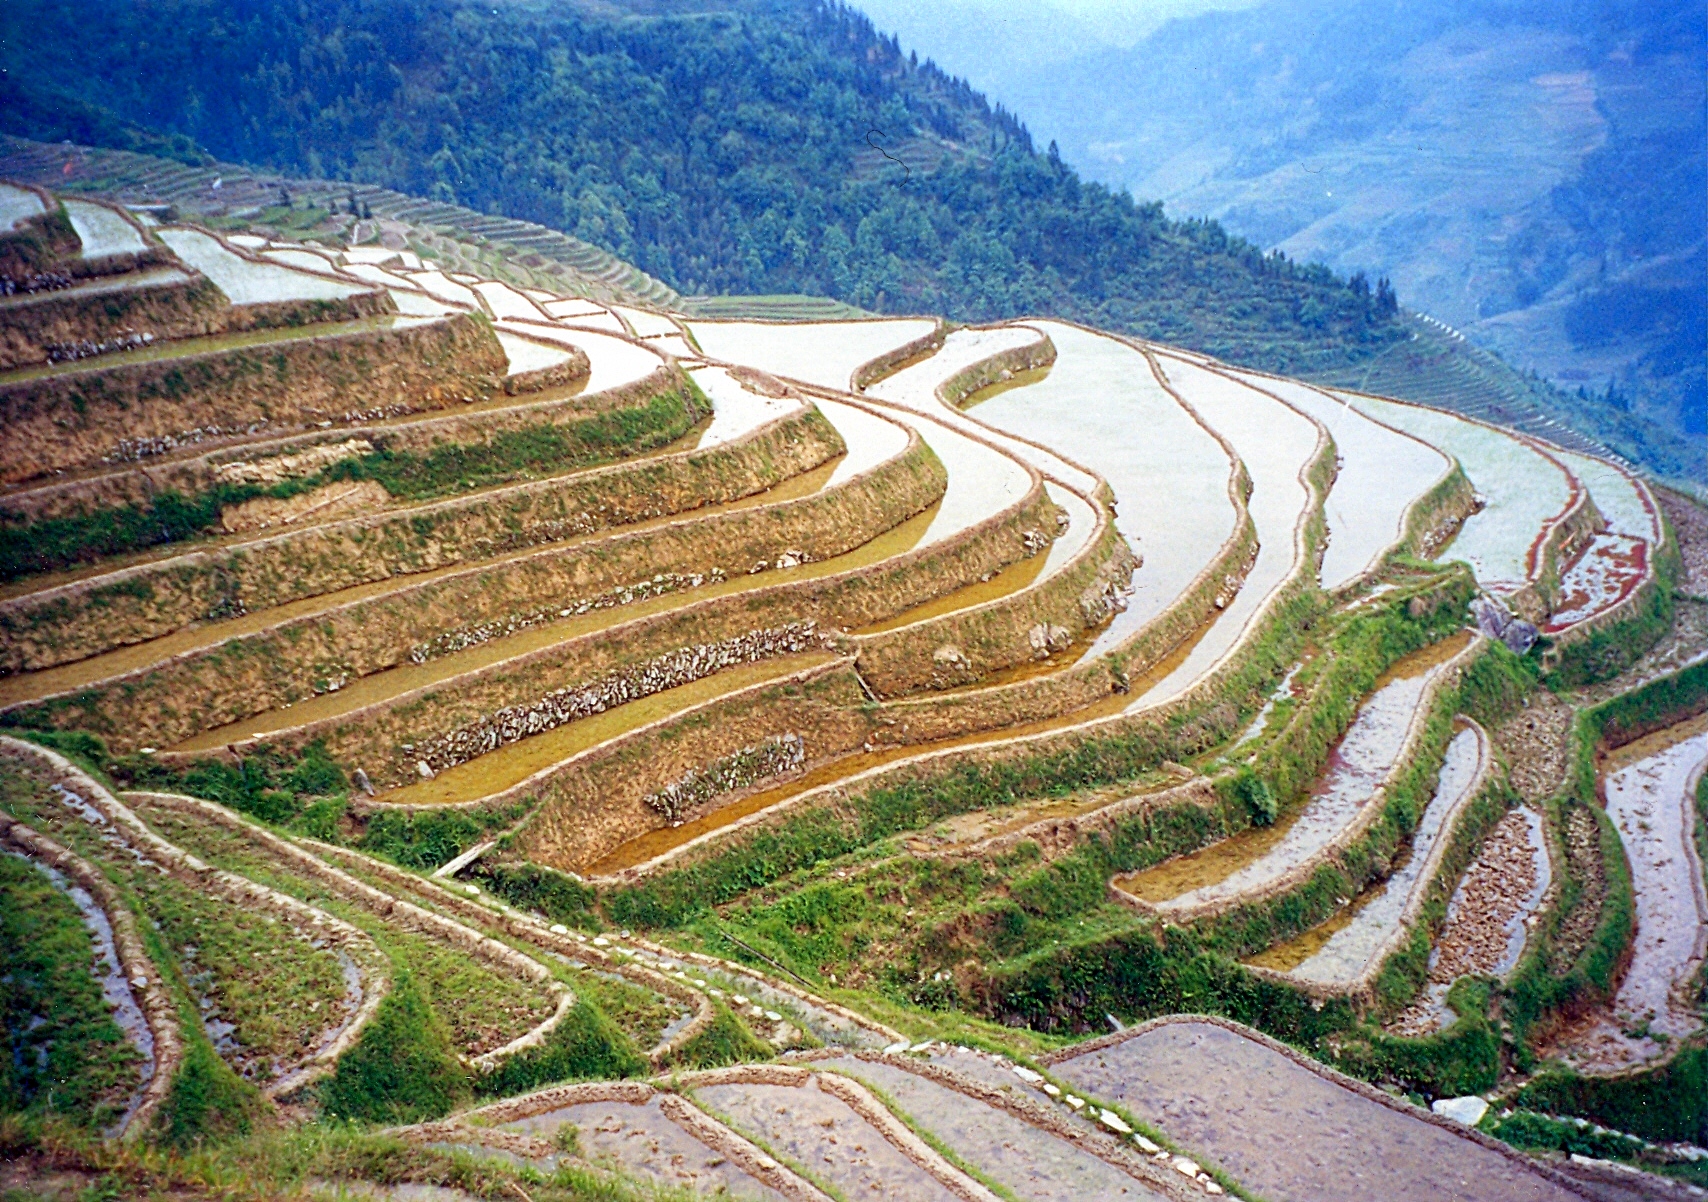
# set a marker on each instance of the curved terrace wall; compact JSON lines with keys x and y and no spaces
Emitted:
{"x":85,"y":416}
{"x":890,"y":362}
{"x":451,"y":722}
{"x":191,"y":471}
{"x":90,"y":615}
{"x":1413,"y":746}
{"x":866,"y":507}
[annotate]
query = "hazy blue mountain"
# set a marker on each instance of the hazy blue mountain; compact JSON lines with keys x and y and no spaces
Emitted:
{"x":1531,"y":173}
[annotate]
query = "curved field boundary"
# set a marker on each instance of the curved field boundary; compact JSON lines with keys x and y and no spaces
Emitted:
{"x":480,"y":1126}
{"x":1561,"y":537}
{"x":163,"y":304}
{"x":423,"y":605}
{"x":407,"y":915}
{"x":1447,"y":676}
{"x":1211,"y":585}
{"x":1432,"y":518}
{"x":872,"y":503}
{"x":889,"y":1034}
{"x":238,"y":891}
{"x":198,"y":465}
{"x":858,"y":1099}
{"x":76,"y":620}
{"x":1309,"y":529}
{"x":158,"y":1008}
{"x":887,"y":364}
{"x":1429,"y":883}
{"x":86,"y":413}
{"x":1446,"y":503}
{"x":1361,"y":1089}
{"x":1048,"y":1119}
{"x":528,"y":929}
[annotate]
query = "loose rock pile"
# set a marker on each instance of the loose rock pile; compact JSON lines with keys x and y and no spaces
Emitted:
{"x":738,"y":770}
{"x":617,"y":688}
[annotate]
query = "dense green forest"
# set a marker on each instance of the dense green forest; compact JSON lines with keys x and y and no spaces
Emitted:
{"x":773,"y":146}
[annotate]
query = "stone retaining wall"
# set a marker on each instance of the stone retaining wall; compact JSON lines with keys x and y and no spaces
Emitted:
{"x":961,"y":647}
{"x":1209,"y":591}
{"x":51,"y":326}
{"x":644,"y":652}
{"x":93,"y":614}
{"x":39,"y":251}
{"x":83,"y":417}
{"x":595,"y":802}
{"x":159,"y":1010}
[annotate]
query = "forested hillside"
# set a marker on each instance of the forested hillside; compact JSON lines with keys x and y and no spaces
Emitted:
{"x":785,"y":147}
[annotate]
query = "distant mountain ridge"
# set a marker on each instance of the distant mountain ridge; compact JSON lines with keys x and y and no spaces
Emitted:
{"x":1531,"y":173}
{"x":768,"y":147}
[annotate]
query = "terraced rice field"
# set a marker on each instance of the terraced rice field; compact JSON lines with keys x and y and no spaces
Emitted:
{"x":1348,"y":947}
{"x":711,"y":749}
{"x":250,"y":281}
{"x":1651,"y":800}
{"x":1382,"y":473}
{"x":1524,"y":489}
{"x":1168,"y":473}
{"x":1360,"y":763}
{"x":820,"y":353}
{"x":1289,"y":1129}
{"x":103,"y":231}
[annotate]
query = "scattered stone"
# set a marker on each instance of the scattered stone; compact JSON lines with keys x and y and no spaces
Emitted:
{"x":1468,"y":1110}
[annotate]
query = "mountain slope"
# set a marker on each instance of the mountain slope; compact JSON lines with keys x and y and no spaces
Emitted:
{"x":1530,"y":173}
{"x":779,"y":147}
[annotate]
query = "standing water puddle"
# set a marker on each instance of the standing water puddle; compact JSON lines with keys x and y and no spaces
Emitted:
{"x":1364,"y":756}
{"x":115,"y":986}
{"x":1342,"y":949}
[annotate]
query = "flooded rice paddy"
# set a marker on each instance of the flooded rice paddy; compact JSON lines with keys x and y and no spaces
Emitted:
{"x":1276,"y":445}
{"x":1343,"y":949}
{"x":735,"y":410}
{"x":1289,"y":1133}
{"x":822,"y":353}
{"x":16,"y":204}
{"x":525,"y":354}
{"x":1608,"y":571}
{"x":1359,"y":762}
{"x":248,"y":281}
{"x":870,"y":439}
{"x":504,"y":302}
{"x":644,"y":323}
{"x":1525,"y":490}
{"x":1102,"y":406}
{"x":103,"y":231}
{"x":1382,"y":471}
{"x":612,"y":362}
{"x":1650,"y":790}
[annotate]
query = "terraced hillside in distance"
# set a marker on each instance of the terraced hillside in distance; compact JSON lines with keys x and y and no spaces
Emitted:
{"x":476,"y":724}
